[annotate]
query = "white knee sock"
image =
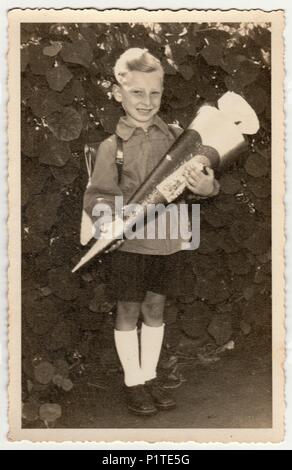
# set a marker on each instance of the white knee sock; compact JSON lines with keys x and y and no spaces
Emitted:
{"x":151,"y":343}
{"x":128,"y":351}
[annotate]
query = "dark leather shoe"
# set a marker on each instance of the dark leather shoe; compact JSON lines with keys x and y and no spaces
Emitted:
{"x":139,"y":401}
{"x":160,"y":397}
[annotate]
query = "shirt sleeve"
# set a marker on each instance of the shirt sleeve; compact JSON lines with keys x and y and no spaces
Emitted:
{"x":103,"y":187}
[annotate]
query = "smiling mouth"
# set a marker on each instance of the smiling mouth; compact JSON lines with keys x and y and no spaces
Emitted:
{"x":146,"y":111}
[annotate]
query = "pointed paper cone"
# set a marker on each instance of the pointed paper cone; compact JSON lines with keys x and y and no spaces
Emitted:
{"x":114,"y":232}
{"x":86,"y":229}
{"x":216,"y":134}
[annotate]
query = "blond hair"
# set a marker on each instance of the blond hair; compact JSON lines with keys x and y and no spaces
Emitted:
{"x":136,"y":59}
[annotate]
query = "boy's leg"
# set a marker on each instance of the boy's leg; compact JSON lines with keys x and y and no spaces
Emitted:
{"x":127,"y":287}
{"x":127,"y":315}
{"x":152,"y":333}
{"x":127,"y":345}
{"x":126,"y":341}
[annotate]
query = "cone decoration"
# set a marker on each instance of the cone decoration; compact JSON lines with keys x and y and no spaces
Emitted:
{"x":215,"y":133}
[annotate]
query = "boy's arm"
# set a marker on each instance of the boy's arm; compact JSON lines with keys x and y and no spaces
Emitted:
{"x":104,"y":186}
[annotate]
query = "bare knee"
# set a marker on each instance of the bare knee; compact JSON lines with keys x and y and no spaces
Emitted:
{"x":152,"y":309}
{"x":127,"y":315}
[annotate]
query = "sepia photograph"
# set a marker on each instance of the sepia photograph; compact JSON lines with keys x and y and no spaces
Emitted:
{"x":146,"y":163}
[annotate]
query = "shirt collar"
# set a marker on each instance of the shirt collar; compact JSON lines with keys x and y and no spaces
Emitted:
{"x":125,"y":130}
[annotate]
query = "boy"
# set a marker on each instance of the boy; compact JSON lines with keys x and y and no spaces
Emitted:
{"x":140,"y":268}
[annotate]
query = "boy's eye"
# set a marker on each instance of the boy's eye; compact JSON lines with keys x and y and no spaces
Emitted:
{"x":137,"y":92}
{"x":155,"y":93}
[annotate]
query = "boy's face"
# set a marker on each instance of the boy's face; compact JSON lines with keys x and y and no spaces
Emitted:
{"x":140,"y":95}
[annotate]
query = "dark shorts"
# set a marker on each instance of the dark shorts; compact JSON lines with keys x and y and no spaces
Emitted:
{"x":131,"y":275}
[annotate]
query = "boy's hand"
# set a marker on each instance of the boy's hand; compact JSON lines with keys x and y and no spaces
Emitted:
{"x":198,"y":182}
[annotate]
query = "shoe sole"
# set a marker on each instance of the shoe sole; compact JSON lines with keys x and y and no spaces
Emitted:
{"x":143,"y":413}
{"x":165,"y":408}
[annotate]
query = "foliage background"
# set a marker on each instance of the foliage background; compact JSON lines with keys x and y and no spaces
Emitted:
{"x":66,"y":102}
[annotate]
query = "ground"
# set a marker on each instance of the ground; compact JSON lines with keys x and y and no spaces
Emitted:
{"x":235,"y":392}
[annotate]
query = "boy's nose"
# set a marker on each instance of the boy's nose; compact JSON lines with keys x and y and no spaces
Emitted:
{"x":147,"y":100}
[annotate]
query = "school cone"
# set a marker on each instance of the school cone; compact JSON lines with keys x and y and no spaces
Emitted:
{"x":216,"y":133}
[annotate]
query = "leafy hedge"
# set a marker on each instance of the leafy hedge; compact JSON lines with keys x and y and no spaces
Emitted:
{"x":66,"y":102}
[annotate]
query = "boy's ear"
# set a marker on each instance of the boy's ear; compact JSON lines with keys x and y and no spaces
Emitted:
{"x":117,"y":93}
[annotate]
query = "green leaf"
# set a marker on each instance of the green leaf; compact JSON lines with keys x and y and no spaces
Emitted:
{"x":89,"y":320}
{"x":24,"y":57}
{"x":58,"y":380}
{"x":212,"y":53}
{"x":30,"y":410}
{"x":231,"y":61}
{"x":63,"y":284}
{"x":72,"y":91}
{"x":186,"y":71}
{"x":58,"y":77}
{"x":109,"y":117}
{"x":226,"y":242}
{"x":52,"y":50}
{"x":246,"y":73}
{"x":215,"y":35}
{"x":241,"y":229}
{"x":259,"y":242}
{"x":65,"y":124}
{"x":195,"y":319}
{"x":169,"y":66}
{"x":89,"y":33}
{"x":98,"y":299}
{"x":39,"y":63}
{"x":232,"y":84}
{"x":208,"y":242}
{"x":43,"y":102}
{"x":262,"y":37}
{"x":256,"y":165}
{"x":40,"y":315}
{"x":25,"y":36}
{"x":176,"y":52}
{"x":67,"y":385}
{"x":229,"y":184}
{"x":62,"y":367}
{"x":59,"y":30}
{"x":53,"y":152}
{"x":180,"y":103}
{"x":61,"y":336}
{"x":215,"y":218}
{"x":257,"y":97}
{"x":220,"y":328}
{"x":50,"y":412}
{"x":214,"y":286}
{"x":26,"y":91}
{"x":238,"y":263}
{"x":261,"y":187}
{"x":68,"y":173}
{"x":33,"y":244}
{"x":44,"y":372}
{"x":42,"y":211}
{"x":78,"y":52}
{"x":31,"y":140}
